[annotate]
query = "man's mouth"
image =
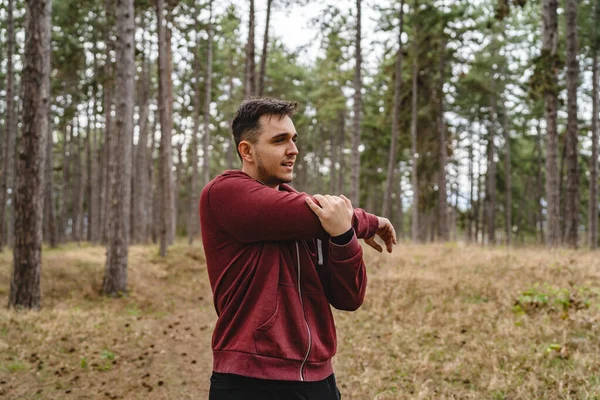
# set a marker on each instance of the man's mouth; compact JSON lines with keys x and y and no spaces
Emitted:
{"x":289,"y":164}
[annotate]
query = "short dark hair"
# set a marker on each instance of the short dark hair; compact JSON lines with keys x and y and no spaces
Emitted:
{"x":245,"y":124}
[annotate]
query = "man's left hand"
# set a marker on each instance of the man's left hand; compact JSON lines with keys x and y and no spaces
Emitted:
{"x":386,"y":232}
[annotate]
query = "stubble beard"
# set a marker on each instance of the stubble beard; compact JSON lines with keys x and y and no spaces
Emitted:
{"x":266,"y":177}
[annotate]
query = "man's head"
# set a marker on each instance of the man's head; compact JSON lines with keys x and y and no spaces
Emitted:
{"x":265,"y":138}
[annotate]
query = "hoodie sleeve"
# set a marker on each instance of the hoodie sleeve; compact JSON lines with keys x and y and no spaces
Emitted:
{"x":252,"y":212}
{"x":343,"y":274}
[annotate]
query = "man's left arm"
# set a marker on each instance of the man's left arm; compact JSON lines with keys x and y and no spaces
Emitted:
{"x":343,"y":273}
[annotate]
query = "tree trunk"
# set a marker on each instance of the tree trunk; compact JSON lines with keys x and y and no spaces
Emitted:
{"x":152,"y":199}
{"x":540,"y":176}
{"x":572,"y":198}
{"x":95,"y":176}
{"x":193,"y":221}
{"x":49,"y":213}
{"x":25,"y":281}
{"x":490,"y":186}
{"x":207,"y":101}
{"x":389,"y":185}
{"x":413,"y":134}
{"x":77,"y":188}
{"x":471,"y":212}
{"x":355,"y":192}
{"x":140,"y":207}
{"x":115,"y":273}
{"x":443,"y":151}
{"x":507,"y":175}
{"x":341,"y":144}
{"x":65,"y":204}
{"x":108,"y":147}
{"x":593,"y":204}
{"x":400,"y":207}
{"x":249,"y":89}
{"x":165,"y":162}
{"x":549,"y":45}
{"x":265,"y":51}
{"x":10,"y":128}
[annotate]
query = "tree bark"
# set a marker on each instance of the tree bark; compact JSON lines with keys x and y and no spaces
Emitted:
{"x":49,"y":213}
{"x":549,"y":46}
{"x":77,"y":188}
{"x":108,"y":147}
{"x":96,"y":172}
{"x":593,"y":203}
{"x":490,"y":185}
{"x":193,"y":221}
{"x":355,"y":173}
{"x":572,"y":197}
{"x":139,"y":203}
{"x":165,"y":161}
{"x":507,"y":175}
{"x":65,"y":203}
{"x":265,"y":51}
{"x":249,"y":88}
{"x":471,"y":212}
{"x":207,"y":101}
{"x":389,"y":185}
{"x":443,"y":151}
{"x":115,"y":274}
{"x":25,"y":281}
{"x":10,"y":127}
{"x":341,"y":144}
{"x":413,"y":133}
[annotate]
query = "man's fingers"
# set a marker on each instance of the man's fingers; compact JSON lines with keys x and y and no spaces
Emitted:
{"x":322,"y":200}
{"x":371,"y":242}
{"x":313,"y":206}
{"x":347,"y":200}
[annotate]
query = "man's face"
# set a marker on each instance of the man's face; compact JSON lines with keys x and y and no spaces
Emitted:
{"x":276,"y":150}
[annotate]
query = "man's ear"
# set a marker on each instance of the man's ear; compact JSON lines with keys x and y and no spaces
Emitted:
{"x":246,"y":151}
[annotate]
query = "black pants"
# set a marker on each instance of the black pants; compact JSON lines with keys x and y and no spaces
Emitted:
{"x":236,"y":387}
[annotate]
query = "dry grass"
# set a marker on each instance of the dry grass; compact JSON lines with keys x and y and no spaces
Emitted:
{"x":439,"y":322}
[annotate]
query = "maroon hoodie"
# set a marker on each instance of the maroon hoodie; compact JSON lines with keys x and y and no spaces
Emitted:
{"x":274,"y":273}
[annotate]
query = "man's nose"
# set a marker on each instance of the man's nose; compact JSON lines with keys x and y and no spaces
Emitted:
{"x":292,"y":149}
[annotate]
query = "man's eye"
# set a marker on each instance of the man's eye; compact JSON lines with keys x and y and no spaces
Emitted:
{"x":295,"y":139}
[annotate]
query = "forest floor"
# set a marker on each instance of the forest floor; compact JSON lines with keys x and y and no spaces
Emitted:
{"x":444,"y":321}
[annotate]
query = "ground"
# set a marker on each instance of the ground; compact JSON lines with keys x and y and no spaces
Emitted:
{"x":445,"y":321}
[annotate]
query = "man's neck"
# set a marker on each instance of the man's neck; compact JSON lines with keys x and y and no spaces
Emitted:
{"x":253,"y":173}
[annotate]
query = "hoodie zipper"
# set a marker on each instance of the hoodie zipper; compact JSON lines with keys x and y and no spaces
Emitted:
{"x":304,"y":313}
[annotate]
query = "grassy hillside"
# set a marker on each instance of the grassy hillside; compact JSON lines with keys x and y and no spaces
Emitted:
{"x":439,"y":322}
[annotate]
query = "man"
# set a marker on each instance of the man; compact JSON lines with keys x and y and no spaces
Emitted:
{"x":277,"y":259}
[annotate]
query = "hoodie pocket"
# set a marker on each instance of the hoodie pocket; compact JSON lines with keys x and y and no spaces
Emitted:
{"x":284,"y":334}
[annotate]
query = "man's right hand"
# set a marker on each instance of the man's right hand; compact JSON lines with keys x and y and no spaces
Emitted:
{"x":335,"y":213}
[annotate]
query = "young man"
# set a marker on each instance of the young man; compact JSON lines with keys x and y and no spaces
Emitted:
{"x":277,"y":259}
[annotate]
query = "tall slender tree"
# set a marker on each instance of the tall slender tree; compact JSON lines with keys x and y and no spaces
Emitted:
{"x":115,"y":274}
{"x":414,"y":127}
{"x":139,"y":205}
{"x":389,"y":182}
{"x":572,"y":195}
{"x":355,"y":173}
{"x":593,"y":203}
{"x":207,"y":100}
{"x":443,"y":149}
{"x":27,"y":254}
{"x":507,"y":176}
{"x":265,"y":51}
{"x":8,"y":155}
{"x":165,"y":162}
{"x":548,"y":58}
{"x":250,"y":76}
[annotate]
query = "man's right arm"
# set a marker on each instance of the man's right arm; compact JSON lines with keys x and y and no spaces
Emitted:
{"x":252,"y":212}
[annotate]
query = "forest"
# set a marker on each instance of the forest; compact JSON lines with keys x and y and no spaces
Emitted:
{"x":471,"y":125}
